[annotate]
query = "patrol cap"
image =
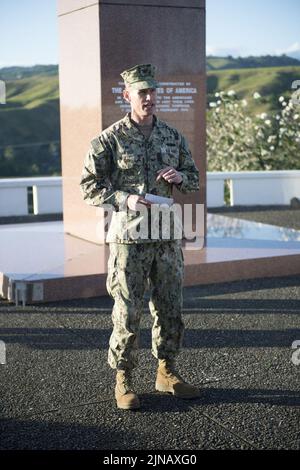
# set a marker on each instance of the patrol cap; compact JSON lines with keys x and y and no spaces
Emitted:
{"x":140,"y":77}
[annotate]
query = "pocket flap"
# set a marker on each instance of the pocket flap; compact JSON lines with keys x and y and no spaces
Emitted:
{"x":127,"y":161}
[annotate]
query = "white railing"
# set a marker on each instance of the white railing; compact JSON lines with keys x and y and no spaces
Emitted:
{"x":249,"y":188}
{"x":246,"y":188}
{"x":45,"y":194}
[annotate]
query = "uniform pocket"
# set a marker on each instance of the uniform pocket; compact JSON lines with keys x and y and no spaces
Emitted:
{"x":112,"y":274}
{"x":128,"y":161}
{"x":171,"y":156}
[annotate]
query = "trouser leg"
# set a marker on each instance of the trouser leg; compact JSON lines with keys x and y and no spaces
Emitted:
{"x":128,"y":269}
{"x":165,"y":304}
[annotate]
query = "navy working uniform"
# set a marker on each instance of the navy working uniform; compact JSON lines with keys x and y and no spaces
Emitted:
{"x":123,"y":161}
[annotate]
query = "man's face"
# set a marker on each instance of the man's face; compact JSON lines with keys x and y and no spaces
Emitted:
{"x":142,"y":102}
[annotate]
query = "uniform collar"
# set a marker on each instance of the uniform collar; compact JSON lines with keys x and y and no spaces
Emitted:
{"x":134,"y":129}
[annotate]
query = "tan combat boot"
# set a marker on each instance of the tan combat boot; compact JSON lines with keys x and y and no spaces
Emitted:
{"x":168,"y":380}
{"x":126,"y":398}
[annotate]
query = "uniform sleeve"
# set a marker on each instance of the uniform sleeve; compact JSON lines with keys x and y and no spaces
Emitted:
{"x":188,"y":169}
{"x":96,"y":186}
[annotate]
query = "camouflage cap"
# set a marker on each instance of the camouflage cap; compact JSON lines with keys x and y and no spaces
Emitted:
{"x":140,"y":77}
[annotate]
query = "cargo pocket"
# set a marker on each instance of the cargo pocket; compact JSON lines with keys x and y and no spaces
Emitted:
{"x":128,"y":161}
{"x":130,"y":167}
{"x":112,"y":274}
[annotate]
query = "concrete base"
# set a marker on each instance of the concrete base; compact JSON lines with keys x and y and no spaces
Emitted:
{"x":41,"y":263}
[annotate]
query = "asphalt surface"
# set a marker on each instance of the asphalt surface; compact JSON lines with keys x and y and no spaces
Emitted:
{"x":56,"y":387}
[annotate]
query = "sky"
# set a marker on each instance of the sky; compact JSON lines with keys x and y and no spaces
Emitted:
{"x":29,"y":29}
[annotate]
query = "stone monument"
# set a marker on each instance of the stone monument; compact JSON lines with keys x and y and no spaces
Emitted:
{"x":98,"y":40}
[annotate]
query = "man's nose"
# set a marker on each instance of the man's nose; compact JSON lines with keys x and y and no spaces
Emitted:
{"x":148,"y":95}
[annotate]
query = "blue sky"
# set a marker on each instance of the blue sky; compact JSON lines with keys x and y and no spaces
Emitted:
{"x":253,"y":27}
{"x":29,"y":32}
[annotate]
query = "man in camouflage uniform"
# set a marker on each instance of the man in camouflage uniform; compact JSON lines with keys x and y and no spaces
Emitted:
{"x":137,"y":155}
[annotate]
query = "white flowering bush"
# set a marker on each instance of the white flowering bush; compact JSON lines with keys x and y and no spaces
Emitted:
{"x":239,"y":141}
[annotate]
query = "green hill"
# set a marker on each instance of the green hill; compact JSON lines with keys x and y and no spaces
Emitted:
{"x":229,"y":62}
{"x":31,"y":92}
{"x":270,"y":82}
{"x":30,"y":128}
{"x":17,"y":72}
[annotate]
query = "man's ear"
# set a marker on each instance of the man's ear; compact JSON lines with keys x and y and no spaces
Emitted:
{"x":126,"y":95}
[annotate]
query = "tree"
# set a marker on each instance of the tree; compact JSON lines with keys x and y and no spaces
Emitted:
{"x":237,"y":141}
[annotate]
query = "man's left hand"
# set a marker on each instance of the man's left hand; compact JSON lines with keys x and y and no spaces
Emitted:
{"x":170,"y":175}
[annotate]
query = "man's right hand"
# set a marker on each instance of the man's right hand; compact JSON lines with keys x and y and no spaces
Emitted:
{"x":134,"y":200}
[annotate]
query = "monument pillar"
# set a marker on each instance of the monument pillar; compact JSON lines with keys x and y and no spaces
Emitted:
{"x":98,"y":40}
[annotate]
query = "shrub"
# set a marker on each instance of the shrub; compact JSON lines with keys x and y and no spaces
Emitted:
{"x":238,"y":141}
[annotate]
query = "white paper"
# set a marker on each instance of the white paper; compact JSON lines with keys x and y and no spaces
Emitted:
{"x":159,"y":199}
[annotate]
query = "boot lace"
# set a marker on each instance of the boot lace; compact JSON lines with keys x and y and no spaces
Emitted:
{"x":125,"y":380}
{"x":171,"y":371}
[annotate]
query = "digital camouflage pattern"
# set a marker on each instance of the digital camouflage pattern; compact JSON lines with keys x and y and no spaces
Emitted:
{"x":131,"y":269}
{"x":140,"y":77}
{"x":121,"y":161}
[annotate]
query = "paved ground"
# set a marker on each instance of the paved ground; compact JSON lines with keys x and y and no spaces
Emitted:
{"x":56,"y":387}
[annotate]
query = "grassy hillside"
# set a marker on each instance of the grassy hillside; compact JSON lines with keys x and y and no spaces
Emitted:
{"x":269,"y":82}
{"x":17,"y":72}
{"x":229,"y":62}
{"x":216,"y":63}
{"x":31,"y":92}
{"x":30,"y":128}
